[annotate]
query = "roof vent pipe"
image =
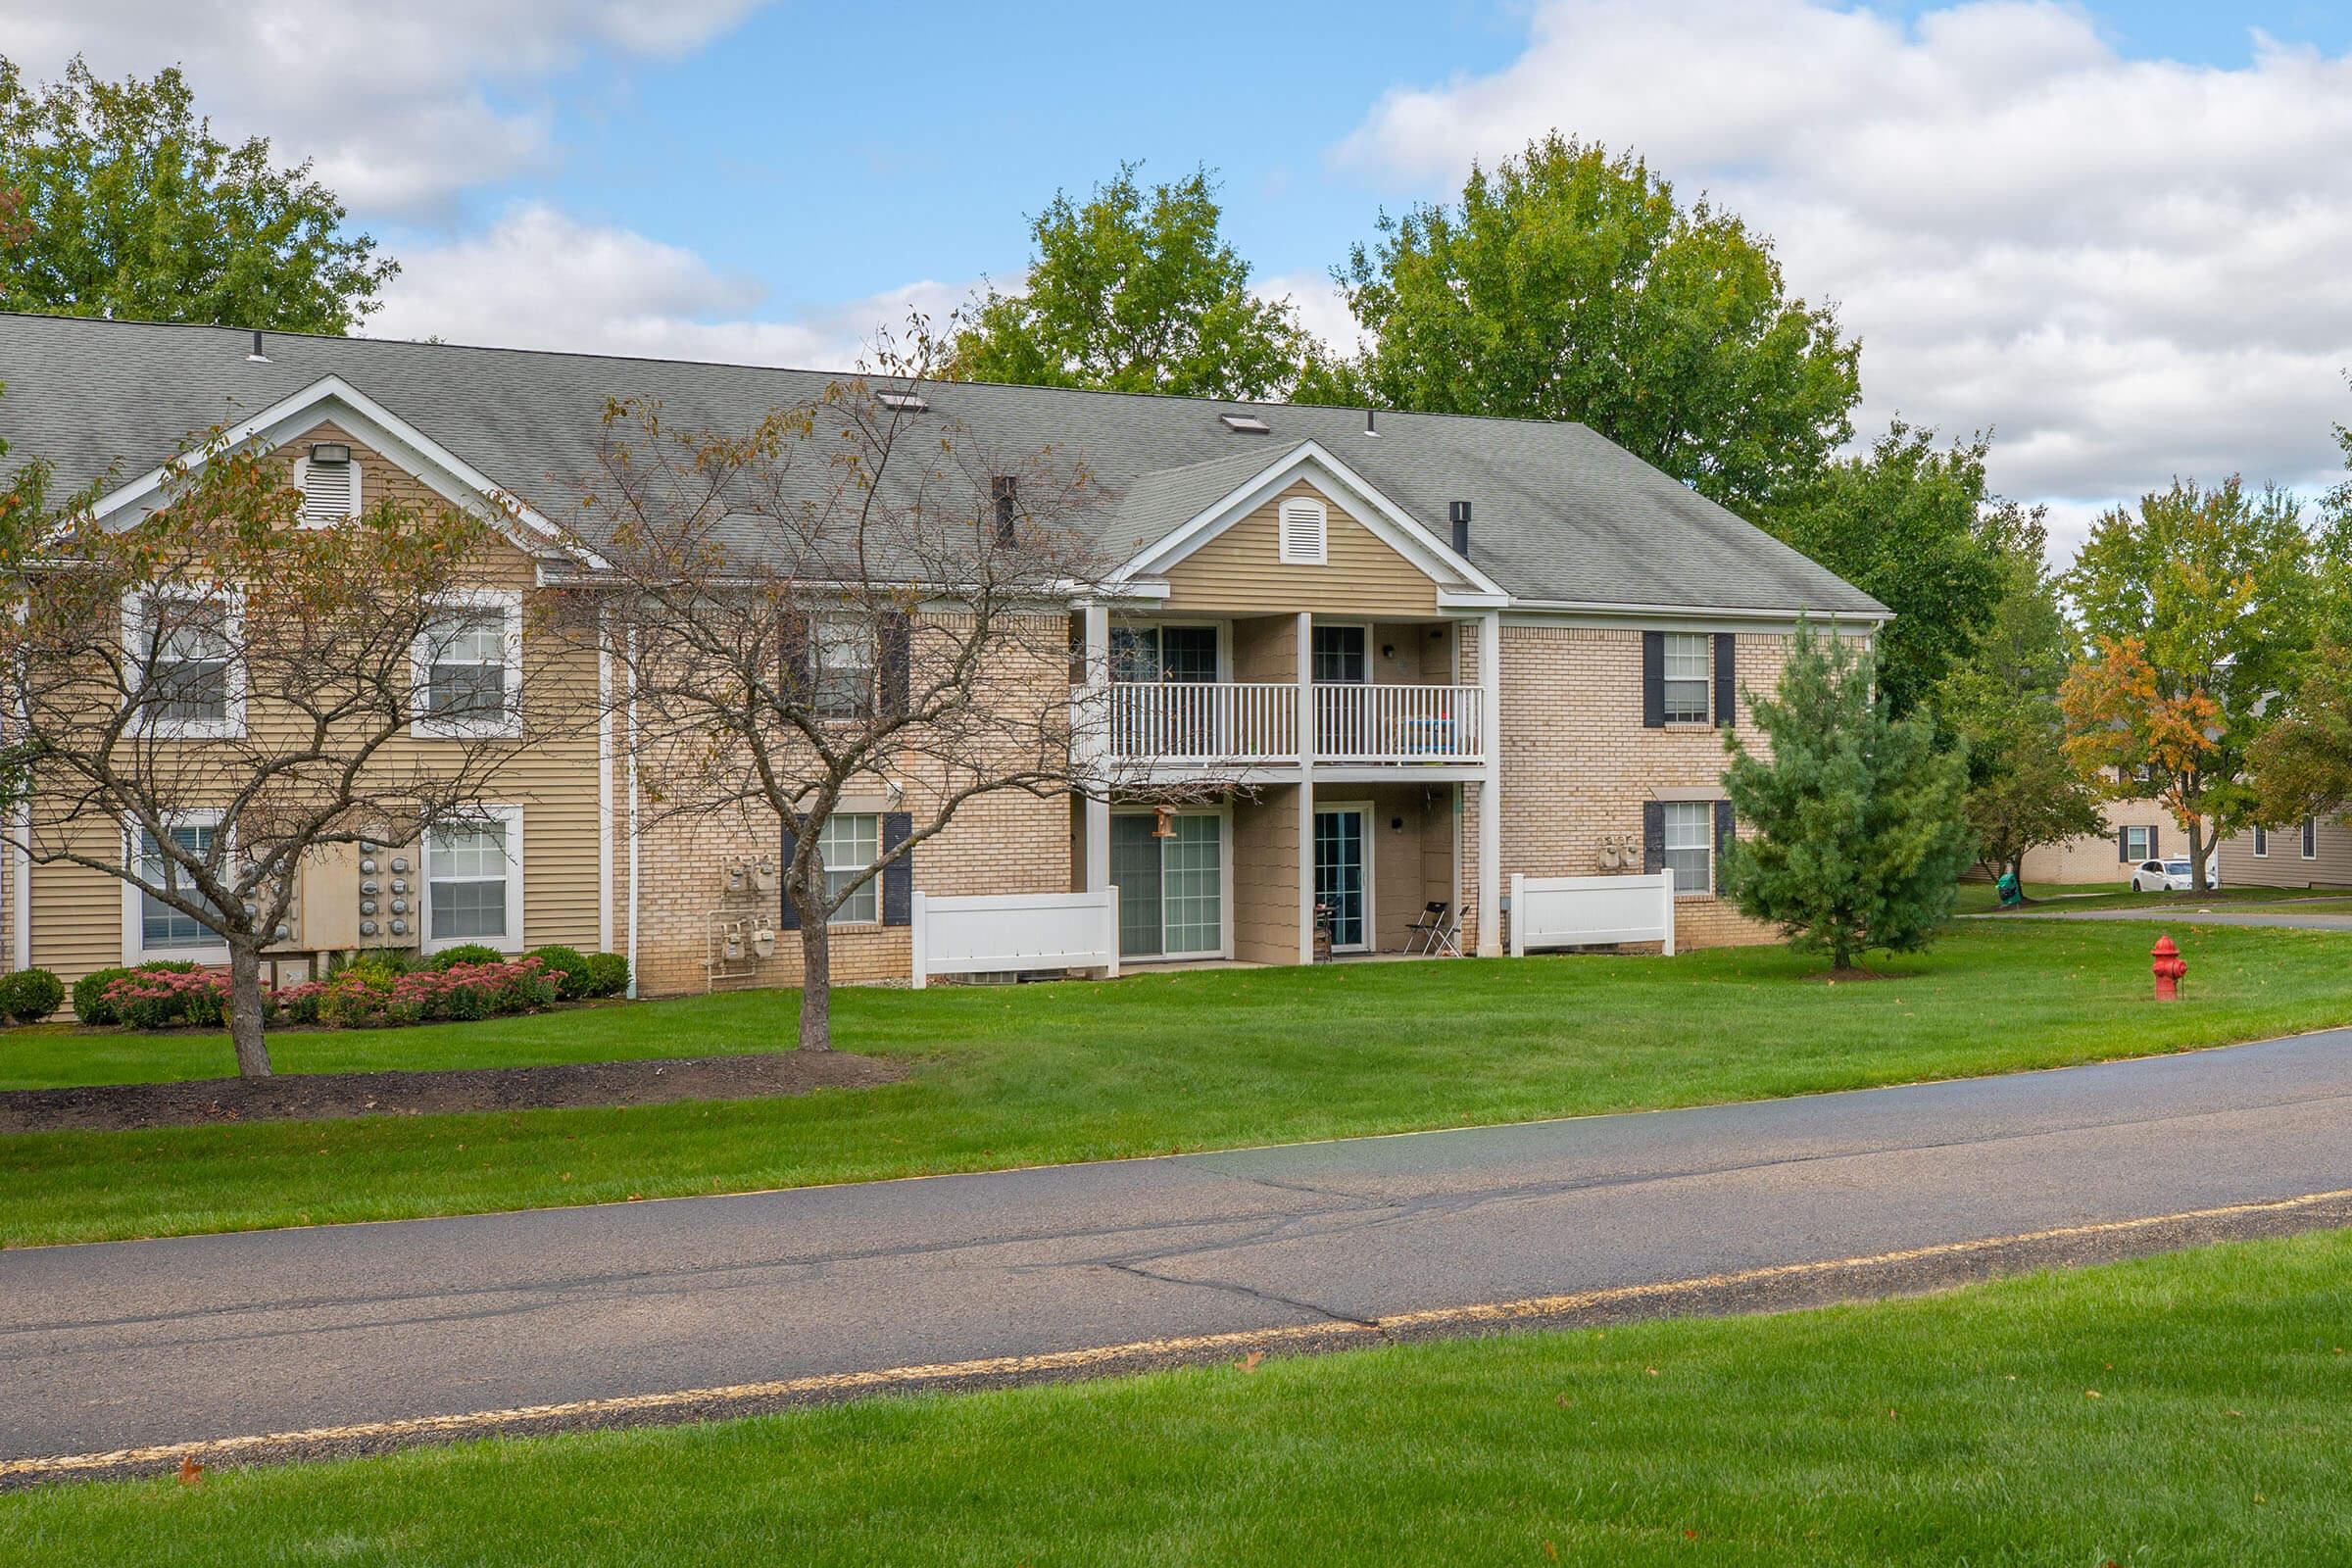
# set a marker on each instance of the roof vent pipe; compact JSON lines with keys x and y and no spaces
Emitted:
{"x":257,"y":357}
{"x":1006,"y":489}
{"x":1458,"y":513}
{"x":1370,"y":428}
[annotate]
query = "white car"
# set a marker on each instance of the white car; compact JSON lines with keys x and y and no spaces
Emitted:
{"x":2166,"y":876}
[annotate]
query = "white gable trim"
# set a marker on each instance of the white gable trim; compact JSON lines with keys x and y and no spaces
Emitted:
{"x":371,"y":425}
{"x":1388,"y":522}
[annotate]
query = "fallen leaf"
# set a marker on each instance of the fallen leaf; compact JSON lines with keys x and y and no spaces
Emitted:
{"x":190,"y":1472}
{"x":1248,"y":1363}
{"x":2090,"y":1394}
{"x":1562,"y":1400}
{"x":1551,"y":1551}
{"x":1651,"y":1370}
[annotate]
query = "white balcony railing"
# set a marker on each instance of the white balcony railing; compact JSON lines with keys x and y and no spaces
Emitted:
{"x":1400,"y":724}
{"x":1255,"y":724}
{"x":1205,"y":722}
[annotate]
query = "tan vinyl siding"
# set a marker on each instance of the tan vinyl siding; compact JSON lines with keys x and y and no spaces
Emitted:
{"x":2284,"y":866}
{"x":1241,"y":570}
{"x":1266,"y":876}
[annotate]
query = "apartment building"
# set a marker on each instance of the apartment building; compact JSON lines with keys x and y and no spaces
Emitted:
{"x":1394,"y":657}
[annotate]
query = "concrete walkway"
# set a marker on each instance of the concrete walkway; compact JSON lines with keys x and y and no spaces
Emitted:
{"x":2275,"y":915}
{"x":608,"y":1311}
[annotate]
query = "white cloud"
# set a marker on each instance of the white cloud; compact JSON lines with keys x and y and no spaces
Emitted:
{"x":1322,"y":308}
{"x":537,"y":278}
{"x":2130,"y":269}
{"x":403,"y":106}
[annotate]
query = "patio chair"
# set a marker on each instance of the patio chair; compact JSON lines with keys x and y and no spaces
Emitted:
{"x":1435,"y":934}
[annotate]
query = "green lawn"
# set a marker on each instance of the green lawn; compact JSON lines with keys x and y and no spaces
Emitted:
{"x":2188,"y":1409}
{"x":1980,"y":897}
{"x":1036,"y":1074}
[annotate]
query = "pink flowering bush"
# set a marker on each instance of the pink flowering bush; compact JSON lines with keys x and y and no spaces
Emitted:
{"x":363,"y":996}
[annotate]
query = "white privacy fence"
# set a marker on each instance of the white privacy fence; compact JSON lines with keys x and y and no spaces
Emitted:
{"x":1572,"y":911}
{"x":999,"y":933}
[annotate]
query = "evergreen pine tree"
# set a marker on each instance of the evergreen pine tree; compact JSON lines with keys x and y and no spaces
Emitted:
{"x":1858,"y":839}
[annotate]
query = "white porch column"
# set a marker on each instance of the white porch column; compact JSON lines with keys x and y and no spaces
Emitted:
{"x":1490,"y":787}
{"x":1095,"y":734}
{"x":1307,"y":788}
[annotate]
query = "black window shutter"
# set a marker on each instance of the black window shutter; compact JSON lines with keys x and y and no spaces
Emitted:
{"x":898,"y":877}
{"x":1653,"y":680}
{"x":892,"y":652}
{"x":790,"y":921}
{"x":1653,"y":835}
{"x":2153,"y":852}
{"x":1725,"y":827}
{"x":2122,"y":844}
{"x":1726,"y":679}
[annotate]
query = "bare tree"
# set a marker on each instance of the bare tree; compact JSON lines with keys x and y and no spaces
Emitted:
{"x":200,"y":699}
{"x":857,"y":594}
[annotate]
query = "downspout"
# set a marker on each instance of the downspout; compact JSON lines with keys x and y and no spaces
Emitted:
{"x":633,"y":878}
{"x":604,"y":795}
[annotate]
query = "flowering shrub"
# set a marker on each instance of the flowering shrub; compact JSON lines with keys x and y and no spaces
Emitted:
{"x":157,"y":999}
{"x":363,"y":996}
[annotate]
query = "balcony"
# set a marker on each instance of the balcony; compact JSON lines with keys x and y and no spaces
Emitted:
{"x":1245,"y":724}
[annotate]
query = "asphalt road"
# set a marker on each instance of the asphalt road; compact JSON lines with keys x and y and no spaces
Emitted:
{"x":149,"y":1343}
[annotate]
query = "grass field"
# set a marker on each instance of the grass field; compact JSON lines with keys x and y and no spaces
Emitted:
{"x":1036,"y":1074}
{"x":2188,"y":1409}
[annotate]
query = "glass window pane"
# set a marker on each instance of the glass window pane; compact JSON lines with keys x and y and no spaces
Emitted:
{"x":161,"y":925}
{"x":467,"y":871}
{"x":1686,"y":677}
{"x":1690,"y":845}
{"x":1339,"y":653}
{"x":467,"y":656}
{"x":1192,"y":892}
{"x":1136,"y":871}
{"x":848,"y":842}
{"x":1188,"y":653}
{"x":844,"y":649}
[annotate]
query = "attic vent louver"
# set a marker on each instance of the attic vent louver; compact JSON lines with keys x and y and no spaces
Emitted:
{"x":1245,"y":424}
{"x":1301,"y":528}
{"x":330,"y":491}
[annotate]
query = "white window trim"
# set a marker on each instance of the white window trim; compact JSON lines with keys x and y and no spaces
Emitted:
{"x":2262,"y":843}
{"x":138,"y":628}
{"x":2147,"y":844}
{"x":1706,"y":681}
{"x":871,"y":635}
{"x":134,"y":925}
{"x":506,"y":726}
{"x":359,"y":483}
{"x":872,"y":883}
{"x":1303,"y":507}
{"x":512,"y":941}
{"x":2308,"y":841}
{"x":1711,"y":847}
{"x":1363,"y":811}
{"x":1224,"y":948}
{"x":1371,"y":649}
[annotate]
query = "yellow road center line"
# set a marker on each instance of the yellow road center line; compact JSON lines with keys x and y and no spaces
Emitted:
{"x":997,"y":1366}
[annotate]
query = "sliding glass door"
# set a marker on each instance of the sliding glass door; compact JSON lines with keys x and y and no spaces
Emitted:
{"x":1343,"y":879}
{"x":1171,"y":891}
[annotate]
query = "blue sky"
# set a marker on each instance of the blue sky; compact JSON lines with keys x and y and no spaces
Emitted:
{"x":2111,"y":235}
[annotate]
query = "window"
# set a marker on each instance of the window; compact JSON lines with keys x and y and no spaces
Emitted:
{"x":1302,"y":530}
{"x":1690,"y":845}
{"x":189,"y":680}
{"x":2139,"y":843}
{"x":1686,"y":677}
{"x":1339,"y":656}
{"x":847,"y":843}
{"x":1171,"y":891}
{"x":843,"y":649}
{"x":473,"y":882}
{"x":1149,"y":653}
{"x":2262,"y":841}
{"x":160,"y":928}
{"x":468,"y":666}
{"x":2311,"y":838}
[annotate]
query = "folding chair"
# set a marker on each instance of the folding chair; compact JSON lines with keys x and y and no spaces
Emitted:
{"x":1448,"y":941}
{"x":1423,"y":935}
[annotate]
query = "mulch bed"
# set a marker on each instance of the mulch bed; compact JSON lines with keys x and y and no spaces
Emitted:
{"x":318,"y":1095}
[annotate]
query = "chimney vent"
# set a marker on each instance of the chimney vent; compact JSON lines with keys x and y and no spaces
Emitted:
{"x":1371,"y":428}
{"x":257,"y":357}
{"x":1458,"y":513}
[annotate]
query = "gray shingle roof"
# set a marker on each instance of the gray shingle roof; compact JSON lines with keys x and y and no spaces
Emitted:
{"x":1560,"y":514}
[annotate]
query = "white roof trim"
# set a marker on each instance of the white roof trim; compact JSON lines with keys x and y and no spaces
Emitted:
{"x":378,"y":427}
{"x":1623,"y":612}
{"x":1390,"y":523}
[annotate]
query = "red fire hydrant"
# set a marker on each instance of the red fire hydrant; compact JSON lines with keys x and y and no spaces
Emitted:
{"x":2167,"y":968}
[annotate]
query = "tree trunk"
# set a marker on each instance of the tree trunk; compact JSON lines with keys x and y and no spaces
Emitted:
{"x":245,"y":1012}
{"x":2196,"y":854}
{"x":817,"y":983}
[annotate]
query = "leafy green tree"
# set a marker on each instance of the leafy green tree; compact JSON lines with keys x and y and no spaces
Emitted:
{"x":1857,"y":836}
{"x":1570,"y":284}
{"x":1135,"y":290}
{"x":2302,"y":761}
{"x":2200,"y":609}
{"x":123,"y":202}
{"x":1904,"y":524}
{"x":2003,"y":705}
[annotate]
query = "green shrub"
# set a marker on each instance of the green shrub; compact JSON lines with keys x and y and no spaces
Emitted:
{"x":608,"y":976}
{"x":30,"y":994}
{"x":568,"y":967}
{"x":89,"y":994}
{"x":465,"y":953}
